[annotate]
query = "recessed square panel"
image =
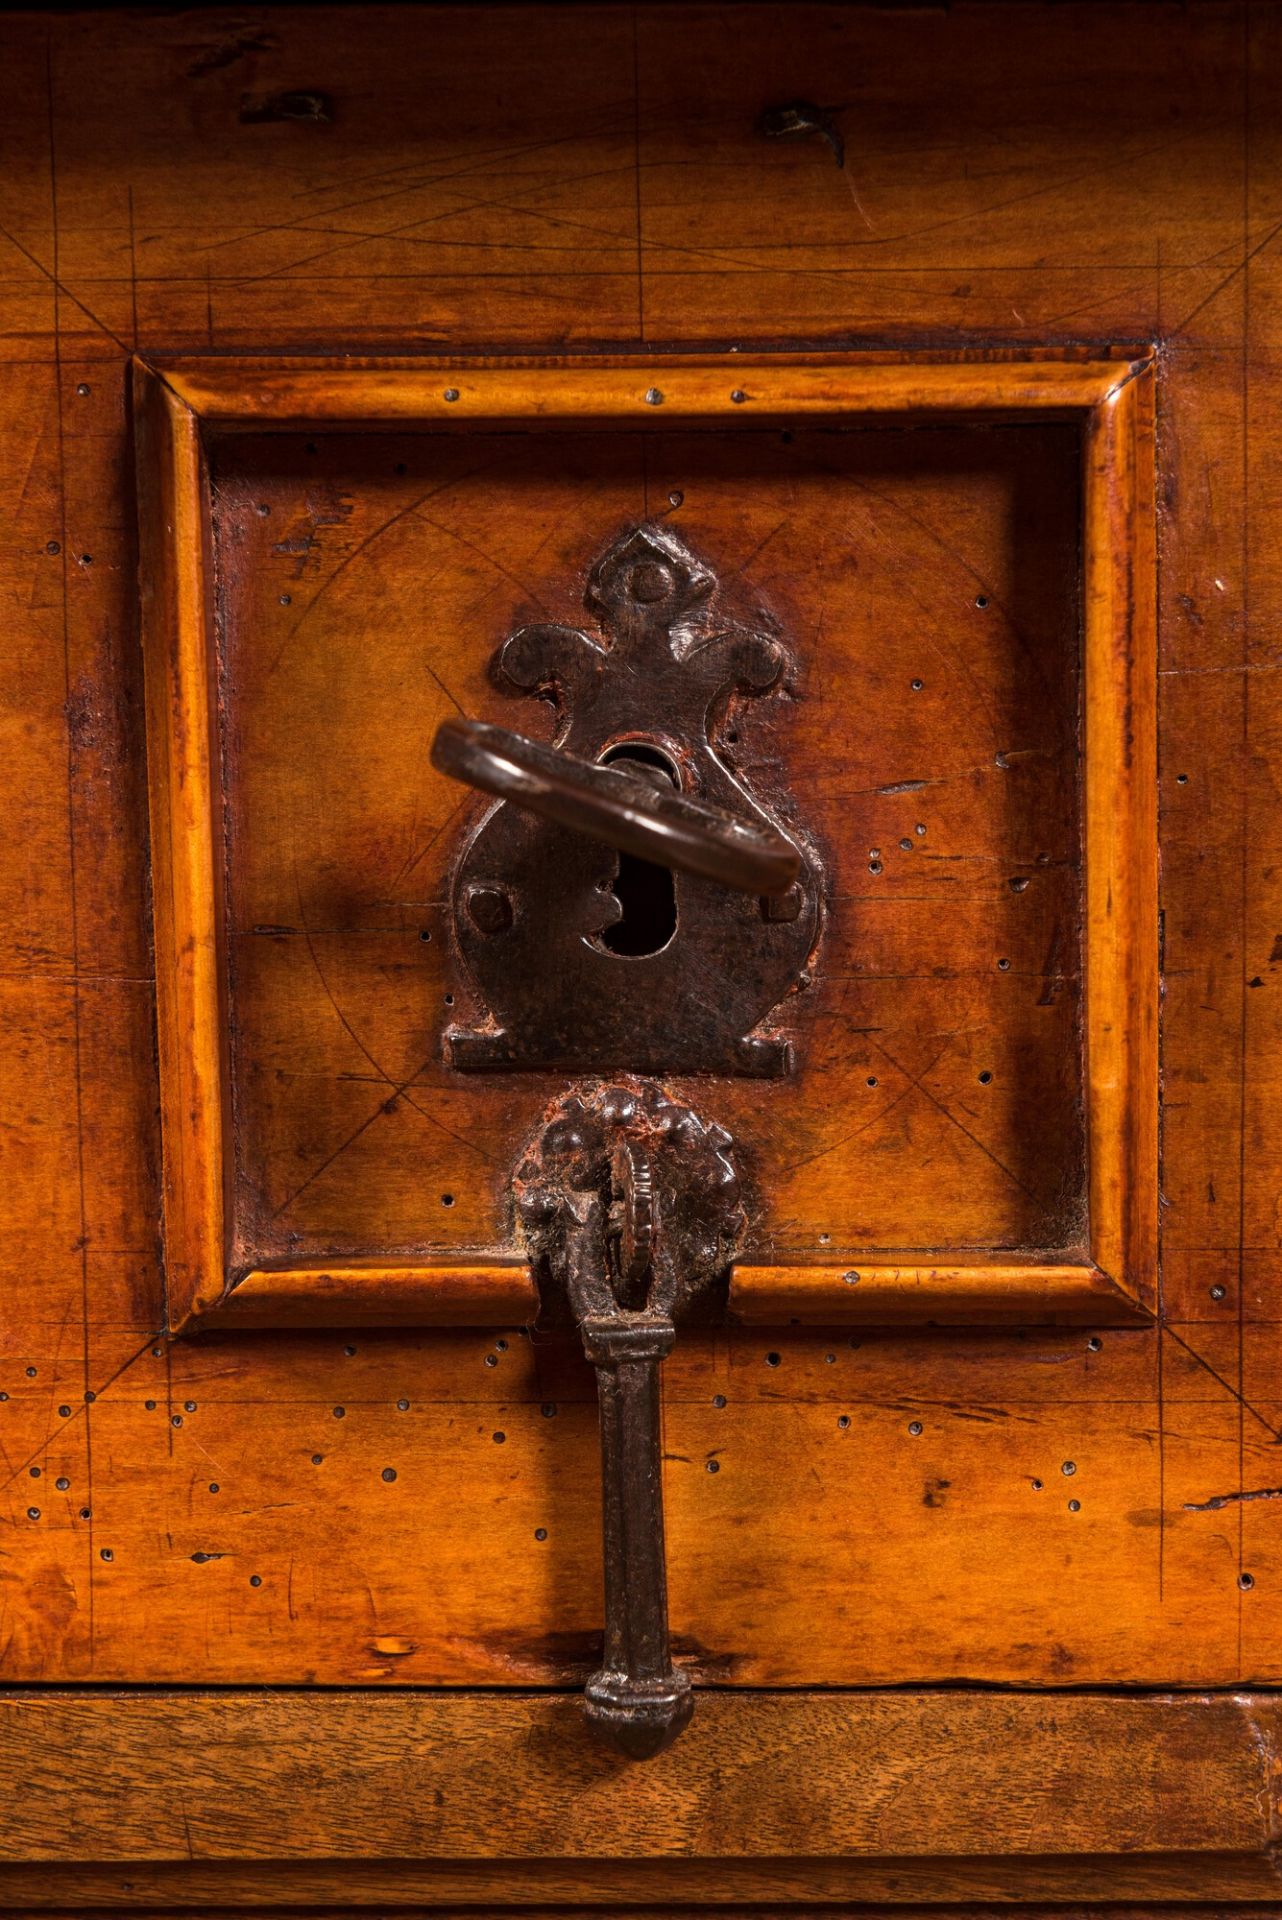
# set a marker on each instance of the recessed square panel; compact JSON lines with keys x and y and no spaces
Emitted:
{"x":927,"y":582}
{"x":950,"y":1124}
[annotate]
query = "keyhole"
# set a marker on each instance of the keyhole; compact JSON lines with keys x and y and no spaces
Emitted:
{"x":642,"y":889}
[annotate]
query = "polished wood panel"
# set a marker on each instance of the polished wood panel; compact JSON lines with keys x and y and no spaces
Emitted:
{"x":757,"y":1778}
{"x":340,"y":842}
{"x":537,"y":181}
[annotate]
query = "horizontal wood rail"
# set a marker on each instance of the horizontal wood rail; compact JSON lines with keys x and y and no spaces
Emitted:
{"x":910,"y":1797}
{"x":462,"y":392}
{"x":943,"y":1292}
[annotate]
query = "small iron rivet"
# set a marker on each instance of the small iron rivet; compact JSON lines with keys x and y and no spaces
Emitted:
{"x":490,"y":909}
{"x":653,"y":398}
{"x":450,"y":393}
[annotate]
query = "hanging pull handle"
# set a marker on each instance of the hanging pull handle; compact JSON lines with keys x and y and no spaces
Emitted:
{"x":627,"y":810}
{"x":631,"y":1206}
{"x":637,"y":1700}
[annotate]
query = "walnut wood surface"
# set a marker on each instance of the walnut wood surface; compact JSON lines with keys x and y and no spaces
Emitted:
{"x":317,"y":858}
{"x":539,"y":180}
{"x":363,"y":591}
{"x":758,"y":1778}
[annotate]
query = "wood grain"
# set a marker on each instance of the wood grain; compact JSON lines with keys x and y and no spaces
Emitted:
{"x":452,"y":392}
{"x":758,"y":1777}
{"x":186,"y":825}
{"x":354,"y":921}
{"x":537,"y":182}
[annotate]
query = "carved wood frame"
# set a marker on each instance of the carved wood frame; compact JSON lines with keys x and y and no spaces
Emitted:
{"x":178,"y":402}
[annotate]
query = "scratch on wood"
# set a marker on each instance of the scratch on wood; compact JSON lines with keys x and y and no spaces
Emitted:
{"x":1218,"y":1500}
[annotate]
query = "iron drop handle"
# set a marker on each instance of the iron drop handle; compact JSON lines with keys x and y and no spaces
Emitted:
{"x":637,"y":1700}
{"x":627,"y":810}
{"x":631,"y":1206}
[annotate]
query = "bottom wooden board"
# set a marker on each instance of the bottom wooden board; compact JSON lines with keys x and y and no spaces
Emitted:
{"x":515,"y":1791}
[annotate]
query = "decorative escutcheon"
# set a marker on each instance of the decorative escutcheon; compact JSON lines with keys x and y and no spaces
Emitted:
{"x":632,"y":1212}
{"x":630,"y":905}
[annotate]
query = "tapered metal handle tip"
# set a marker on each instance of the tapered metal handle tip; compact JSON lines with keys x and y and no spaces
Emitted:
{"x":640,"y":1718}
